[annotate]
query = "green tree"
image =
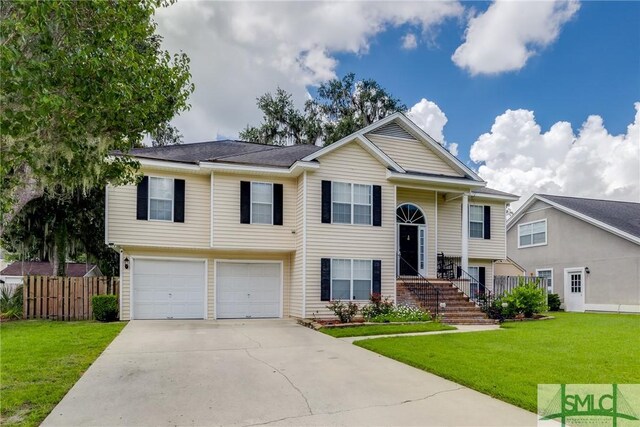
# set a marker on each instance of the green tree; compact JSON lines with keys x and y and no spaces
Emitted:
{"x":282,"y":123}
{"x":347,"y":106}
{"x":341,"y":107}
{"x":59,"y":228}
{"x":80,"y":79}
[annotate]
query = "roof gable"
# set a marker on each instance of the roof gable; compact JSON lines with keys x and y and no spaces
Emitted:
{"x":617,"y":217}
{"x":397,"y":125}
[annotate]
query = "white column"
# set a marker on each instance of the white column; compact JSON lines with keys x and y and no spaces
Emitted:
{"x":465,"y":232}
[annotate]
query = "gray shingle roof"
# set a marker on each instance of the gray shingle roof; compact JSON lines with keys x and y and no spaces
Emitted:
{"x":228,"y":151}
{"x":487,"y":190}
{"x":624,"y":216}
{"x":38,"y":268}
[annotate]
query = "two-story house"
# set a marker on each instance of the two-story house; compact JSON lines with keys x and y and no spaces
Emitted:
{"x":588,"y":249}
{"x":231,"y":229}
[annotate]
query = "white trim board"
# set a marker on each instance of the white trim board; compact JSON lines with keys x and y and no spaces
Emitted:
{"x":613,"y":308}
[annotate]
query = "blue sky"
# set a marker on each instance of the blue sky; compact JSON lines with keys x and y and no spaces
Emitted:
{"x":537,"y":96}
{"x":592,"y":68}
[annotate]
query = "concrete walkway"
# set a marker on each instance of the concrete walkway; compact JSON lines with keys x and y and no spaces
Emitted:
{"x":246,"y":373}
{"x":460,"y":329}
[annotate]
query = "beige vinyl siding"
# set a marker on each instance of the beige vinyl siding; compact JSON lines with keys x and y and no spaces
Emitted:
{"x":297,"y":262}
{"x":350,"y":163}
{"x":488,"y":270}
{"x":425,"y":200}
{"x":450,"y":230}
{"x":412,"y":155}
{"x":229,"y":233}
{"x":211,"y":257}
{"x":494,"y":248}
{"x":125,"y":229}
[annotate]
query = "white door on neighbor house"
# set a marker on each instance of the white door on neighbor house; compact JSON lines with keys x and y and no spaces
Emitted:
{"x":574,"y":289}
{"x":168,"y":289}
{"x":248,"y":290}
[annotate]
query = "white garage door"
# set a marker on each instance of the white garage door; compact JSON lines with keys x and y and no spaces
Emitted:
{"x":247,"y":289}
{"x":166,"y":289}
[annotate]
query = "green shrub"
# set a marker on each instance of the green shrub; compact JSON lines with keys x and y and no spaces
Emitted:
{"x":553,"y":302}
{"x":378,"y":306}
{"x":105,"y":307}
{"x":403,"y":313}
{"x":527,"y":299}
{"x":11,"y":302}
{"x":345,"y":312}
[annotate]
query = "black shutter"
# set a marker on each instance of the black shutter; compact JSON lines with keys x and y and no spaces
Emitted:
{"x":143,"y":199}
{"x":178,"y":201}
{"x":326,"y":202}
{"x":377,"y":276}
{"x":377,"y":205}
{"x":325,"y":279}
{"x":487,"y":222}
{"x":277,"y":204}
{"x":481,"y":279}
{"x":245,"y":202}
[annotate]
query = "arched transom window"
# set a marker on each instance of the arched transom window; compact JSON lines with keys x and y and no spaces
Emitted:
{"x":409,"y":214}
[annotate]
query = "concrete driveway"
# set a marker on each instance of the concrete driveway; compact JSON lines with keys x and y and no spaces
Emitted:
{"x":244,"y":373}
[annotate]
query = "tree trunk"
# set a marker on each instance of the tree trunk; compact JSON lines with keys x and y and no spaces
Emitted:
{"x":60,"y":251}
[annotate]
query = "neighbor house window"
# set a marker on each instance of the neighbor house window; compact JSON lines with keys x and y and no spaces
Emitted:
{"x":351,"y":279}
{"x":261,"y":203}
{"x":476,"y":221}
{"x":351,"y":203}
{"x":532,"y":234}
{"x":161,"y":199}
{"x":548,"y":275}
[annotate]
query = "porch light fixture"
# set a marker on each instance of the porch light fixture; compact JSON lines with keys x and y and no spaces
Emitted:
{"x":126,"y":263}
{"x":586,"y":270}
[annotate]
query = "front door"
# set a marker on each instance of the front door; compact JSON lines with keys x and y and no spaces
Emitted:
{"x":574,"y":289}
{"x":408,"y":247}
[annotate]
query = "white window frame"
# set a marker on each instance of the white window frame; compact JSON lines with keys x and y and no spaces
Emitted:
{"x":538,"y":270}
{"x":251,"y":202}
{"x":173,"y":199}
{"x":351,"y":260}
{"x":546,"y":234}
{"x":470,"y":221}
{"x":352,"y":203}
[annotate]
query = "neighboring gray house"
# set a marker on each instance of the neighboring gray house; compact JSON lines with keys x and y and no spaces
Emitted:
{"x":589,"y":248}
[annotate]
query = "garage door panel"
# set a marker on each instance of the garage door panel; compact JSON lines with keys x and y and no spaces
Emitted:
{"x":168,"y":289}
{"x":248,"y":289}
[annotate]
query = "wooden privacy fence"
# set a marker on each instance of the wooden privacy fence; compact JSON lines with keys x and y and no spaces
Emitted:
{"x":506,"y":284}
{"x":64,"y":298}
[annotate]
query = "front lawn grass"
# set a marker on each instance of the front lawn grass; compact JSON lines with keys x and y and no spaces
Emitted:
{"x":385,"y":329}
{"x":574,"y":348}
{"x":40,"y":362}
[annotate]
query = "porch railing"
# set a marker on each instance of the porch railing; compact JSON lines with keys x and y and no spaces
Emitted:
{"x":427,"y":294}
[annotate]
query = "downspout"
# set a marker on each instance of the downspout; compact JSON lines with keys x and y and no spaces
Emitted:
{"x":304,"y":244}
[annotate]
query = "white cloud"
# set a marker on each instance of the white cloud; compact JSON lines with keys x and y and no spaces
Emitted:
{"x":240,"y":50}
{"x":508,"y":33}
{"x":409,"y":41}
{"x":518,"y":157}
{"x":431,"y":119}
